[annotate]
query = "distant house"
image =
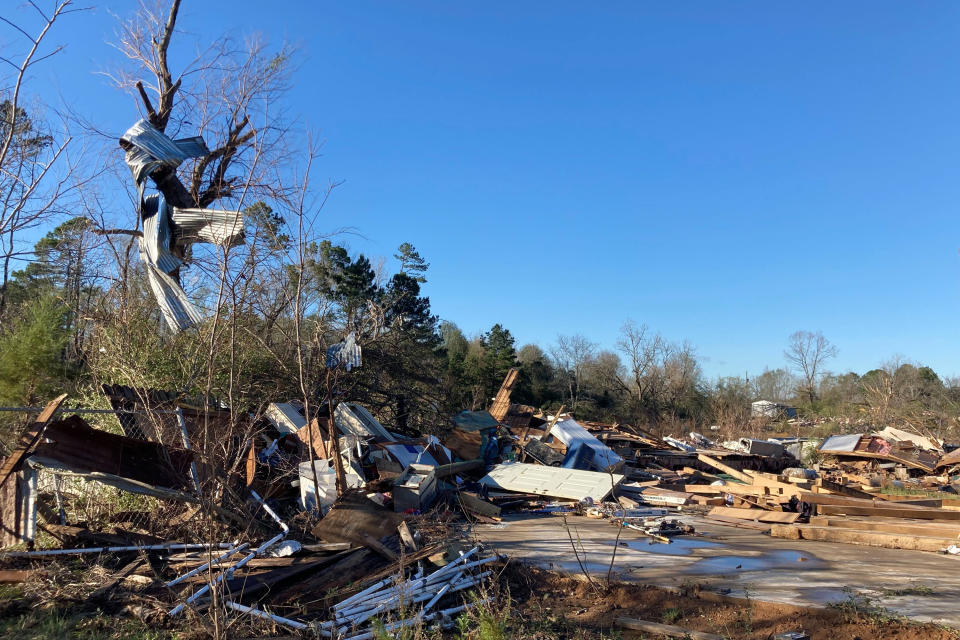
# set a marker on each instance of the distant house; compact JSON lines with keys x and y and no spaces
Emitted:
{"x":767,"y":409}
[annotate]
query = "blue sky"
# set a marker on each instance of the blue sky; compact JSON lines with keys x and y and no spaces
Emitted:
{"x":727,"y":173}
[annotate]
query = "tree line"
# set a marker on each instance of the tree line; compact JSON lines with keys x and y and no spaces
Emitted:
{"x":76,"y":308}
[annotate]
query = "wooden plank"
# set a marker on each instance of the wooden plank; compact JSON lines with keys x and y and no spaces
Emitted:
{"x":755,"y":514}
{"x":668,"y":630}
{"x":902,"y":527}
{"x":740,"y":524}
{"x":406,"y":538}
{"x":476,"y":505}
{"x":888,"y":512}
{"x":501,"y":403}
{"x":379,"y":547}
{"x":716,"y":464}
{"x":866,"y":538}
{"x":844,"y":490}
{"x":353,"y":516}
{"x":13,"y":576}
{"x":118,"y":577}
{"x":29,"y":438}
{"x":456,"y":468}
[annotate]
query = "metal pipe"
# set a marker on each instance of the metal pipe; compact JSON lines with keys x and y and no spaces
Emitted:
{"x":439,"y":595}
{"x":406,"y":589}
{"x":80,"y":410}
{"x":270,"y":511}
{"x":418,"y":584}
{"x":228,"y":573}
{"x":263,"y":614}
{"x":151,"y":547}
{"x":367,"y":635}
{"x":362,"y":616}
{"x":205,"y":565}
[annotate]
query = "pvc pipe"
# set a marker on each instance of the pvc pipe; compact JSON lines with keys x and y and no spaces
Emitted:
{"x":225,"y":574}
{"x":263,"y":614}
{"x":152,"y":547}
{"x":407,"y":590}
{"x":355,"y":603}
{"x":429,"y":580}
{"x":439,"y":595}
{"x":204,"y":566}
{"x":367,"y":635}
{"x":363,"y":616}
{"x":270,"y":511}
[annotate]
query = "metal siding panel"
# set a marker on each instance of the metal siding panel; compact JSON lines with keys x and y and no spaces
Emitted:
{"x":555,"y":482}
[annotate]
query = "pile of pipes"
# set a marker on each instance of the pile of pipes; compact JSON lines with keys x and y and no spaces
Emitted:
{"x":353,"y":618}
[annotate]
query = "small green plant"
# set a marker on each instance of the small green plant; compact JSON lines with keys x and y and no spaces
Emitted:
{"x":859,"y":606}
{"x":671,"y":615}
{"x":912,"y":590}
{"x":745,"y":615}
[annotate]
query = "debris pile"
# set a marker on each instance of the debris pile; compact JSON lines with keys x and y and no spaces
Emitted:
{"x":331,"y":522}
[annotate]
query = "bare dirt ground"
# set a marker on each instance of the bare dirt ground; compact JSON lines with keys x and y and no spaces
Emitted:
{"x":558,"y":606}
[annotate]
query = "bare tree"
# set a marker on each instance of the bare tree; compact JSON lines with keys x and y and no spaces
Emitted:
{"x":773,"y":384}
{"x":37,"y":174}
{"x":806,"y":352}
{"x":572,"y":355}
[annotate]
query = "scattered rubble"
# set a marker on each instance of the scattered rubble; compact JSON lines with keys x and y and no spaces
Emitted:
{"x":380,"y":548}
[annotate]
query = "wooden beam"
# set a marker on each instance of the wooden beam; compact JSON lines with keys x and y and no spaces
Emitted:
{"x":716,"y":464}
{"x":903,"y":527}
{"x":29,"y":438}
{"x":888,"y":512}
{"x":755,"y":514}
{"x":668,"y":630}
{"x":854,"y":536}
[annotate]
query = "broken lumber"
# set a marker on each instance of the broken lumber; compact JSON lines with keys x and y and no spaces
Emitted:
{"x":716,"y":464}
{"x":889,"y":512}
{"x":476,"y":505}
{"x":903,"y":527}
{"x":668,"y":630}
{"x":854,"y":536}
{"x":755,"y":514}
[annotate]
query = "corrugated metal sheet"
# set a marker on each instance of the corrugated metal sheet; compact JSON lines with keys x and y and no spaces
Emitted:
{"x":347,"y":353}
{"x":216,"y":226}
{"x":148,"y":149}
{"x":155,"y":244}
{"x":572,"y":484}
{"x":570,"y":433}
{"x":355,"y":420}
{"x":178,"y":312}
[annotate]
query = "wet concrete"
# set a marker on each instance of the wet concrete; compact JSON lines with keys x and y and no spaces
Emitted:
{"x":739,"y":562}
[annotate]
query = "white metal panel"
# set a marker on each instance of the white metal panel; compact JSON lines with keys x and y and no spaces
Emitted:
{"x":841,"y":443}
{"x":285,"y":417}
{"x":555,"y":482}
{"x":356,"y":420}
{"x":572,"y":434}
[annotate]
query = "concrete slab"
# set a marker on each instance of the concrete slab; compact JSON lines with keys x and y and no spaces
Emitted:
{"x":738,"y":562}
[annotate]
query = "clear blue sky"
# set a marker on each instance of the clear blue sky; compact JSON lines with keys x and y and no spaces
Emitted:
{"x":727,"y":173}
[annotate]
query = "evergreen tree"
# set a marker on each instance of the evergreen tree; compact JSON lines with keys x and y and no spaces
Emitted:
{"x":411,"y":263}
